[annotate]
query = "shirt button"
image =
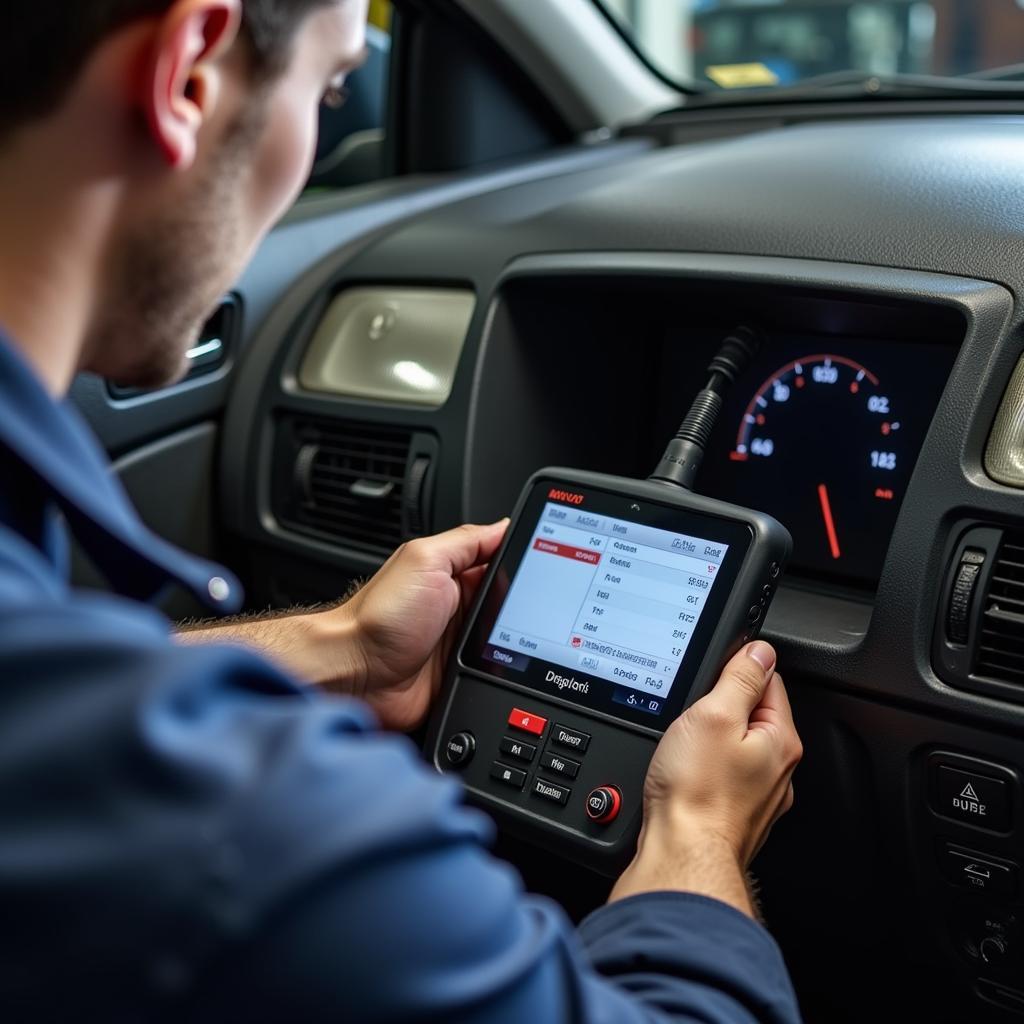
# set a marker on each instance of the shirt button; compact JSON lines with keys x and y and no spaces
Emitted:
{"x":218,"y":589}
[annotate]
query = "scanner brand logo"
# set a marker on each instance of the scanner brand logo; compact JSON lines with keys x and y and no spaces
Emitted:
{"x":567,"y":496}
{"x":568,"y":682}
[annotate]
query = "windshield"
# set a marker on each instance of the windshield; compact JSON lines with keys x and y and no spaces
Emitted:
{"x":729,"y":44}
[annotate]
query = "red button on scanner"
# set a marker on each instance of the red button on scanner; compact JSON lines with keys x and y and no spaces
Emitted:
{"x":527,"y":722}
{"x":604,"y":804}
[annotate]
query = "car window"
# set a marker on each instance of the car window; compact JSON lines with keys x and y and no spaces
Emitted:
{"x":351,"y":140}
{"x":761,"y":43}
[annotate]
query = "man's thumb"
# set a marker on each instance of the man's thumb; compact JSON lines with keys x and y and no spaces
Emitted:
{"x":744,"y":679}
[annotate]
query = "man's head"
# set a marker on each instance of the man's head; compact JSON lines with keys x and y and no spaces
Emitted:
{"x":186,"y":127}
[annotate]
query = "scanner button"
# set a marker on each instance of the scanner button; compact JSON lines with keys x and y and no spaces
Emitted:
{"x":551,"y":791}
{"x":570,"y":739}
{"x":518,"y":749}
{"x":527,"y":722}
{"x":754,"y":614}
{"x":508,"y":775}
{"x":604,"y":804}
{"x":774,"y":570}
{"x":459,"y":749}
{"x":560,"y":765}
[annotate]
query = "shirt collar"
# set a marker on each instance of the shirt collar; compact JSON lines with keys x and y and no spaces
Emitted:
{"x":53,"y":442}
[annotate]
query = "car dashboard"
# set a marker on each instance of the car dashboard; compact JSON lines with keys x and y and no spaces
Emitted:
{"x":881,"y":260}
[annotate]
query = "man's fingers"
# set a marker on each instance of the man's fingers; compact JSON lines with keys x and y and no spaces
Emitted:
{"x":460,"y":549}
{"x":469,"y":584}
{"x":774,"y":707}
{"x":744,"y":681}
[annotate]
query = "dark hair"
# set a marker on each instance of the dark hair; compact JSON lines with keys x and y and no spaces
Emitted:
{"x":44,"y":44}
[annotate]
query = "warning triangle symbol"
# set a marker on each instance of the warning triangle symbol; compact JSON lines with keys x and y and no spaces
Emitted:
{"x":968,"y":793}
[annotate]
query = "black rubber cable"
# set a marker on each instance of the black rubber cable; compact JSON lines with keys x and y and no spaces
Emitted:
{"x":685,"y":451}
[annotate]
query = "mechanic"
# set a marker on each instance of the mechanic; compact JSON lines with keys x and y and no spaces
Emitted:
{"x":211,"y":830}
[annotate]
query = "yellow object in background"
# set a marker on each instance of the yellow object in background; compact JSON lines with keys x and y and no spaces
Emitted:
{"x":741,"y":76}
{"x":380,"y":14}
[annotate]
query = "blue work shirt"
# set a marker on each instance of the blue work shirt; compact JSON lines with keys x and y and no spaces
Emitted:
{"x":186,"y":833}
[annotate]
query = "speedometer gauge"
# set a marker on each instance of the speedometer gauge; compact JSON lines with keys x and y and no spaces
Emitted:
{"x":833,"y":416}
{"x":830,"y":414}
{"x":826,"y":443}
{"x":823,"y":433}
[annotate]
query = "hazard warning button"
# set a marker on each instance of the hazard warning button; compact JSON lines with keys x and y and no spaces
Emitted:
{"x":975,"y":798}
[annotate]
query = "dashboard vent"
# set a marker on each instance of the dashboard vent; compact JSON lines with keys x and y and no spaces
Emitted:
{"x":347,"y":481}
{"x":1001,"y":636}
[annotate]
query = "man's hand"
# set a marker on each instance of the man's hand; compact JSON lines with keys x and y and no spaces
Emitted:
{"x":719,"y":780}
{"x":389,"y":643}
{"x":407,"y":618}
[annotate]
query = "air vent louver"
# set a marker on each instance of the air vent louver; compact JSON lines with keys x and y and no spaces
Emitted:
{"x":1001,"y":639}
{"x":347,"y":481}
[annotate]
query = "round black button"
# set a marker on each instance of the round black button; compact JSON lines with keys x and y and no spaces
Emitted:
{"x":755,"y":613}
{"x":774,"y":569}
{"x":603,"y":804}
{"x":459,"y":749}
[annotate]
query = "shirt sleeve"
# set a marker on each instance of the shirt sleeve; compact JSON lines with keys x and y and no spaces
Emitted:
{"x":187,"y":833}
{"x":447,"y":935}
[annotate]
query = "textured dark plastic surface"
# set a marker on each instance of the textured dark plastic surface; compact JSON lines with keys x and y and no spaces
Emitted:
{"x":462,"y":101}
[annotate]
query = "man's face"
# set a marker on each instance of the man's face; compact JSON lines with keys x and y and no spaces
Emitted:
{"x":184,"y":245}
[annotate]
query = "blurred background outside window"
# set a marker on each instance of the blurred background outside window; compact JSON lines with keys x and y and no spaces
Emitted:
{"x":693,"y":40}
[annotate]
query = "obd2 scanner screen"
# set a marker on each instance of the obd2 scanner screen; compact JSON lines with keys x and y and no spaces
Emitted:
{"x":599,"y":598}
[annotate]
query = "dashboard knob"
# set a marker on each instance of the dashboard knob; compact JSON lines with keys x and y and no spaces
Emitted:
{"x":604,"y":804}
{"x":993,"y":949}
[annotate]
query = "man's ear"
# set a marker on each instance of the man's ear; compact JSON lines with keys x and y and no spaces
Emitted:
{"x":182,"y":80}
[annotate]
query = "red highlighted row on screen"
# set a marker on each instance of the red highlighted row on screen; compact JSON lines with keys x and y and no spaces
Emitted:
{"x":567,"y":551}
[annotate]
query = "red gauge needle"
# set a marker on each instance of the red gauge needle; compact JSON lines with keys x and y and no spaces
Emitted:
{"x":830,"y":525}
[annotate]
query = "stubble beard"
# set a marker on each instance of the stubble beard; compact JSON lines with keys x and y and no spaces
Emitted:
{"x":169,"y":276}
